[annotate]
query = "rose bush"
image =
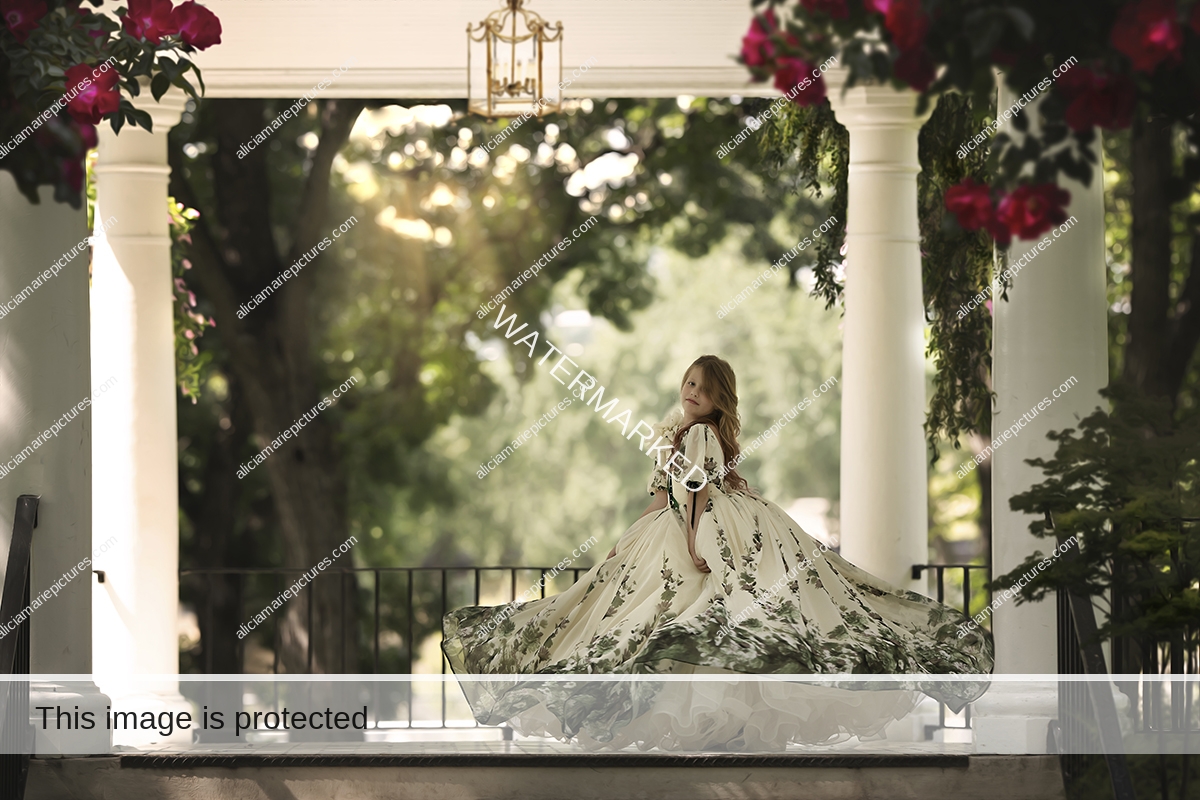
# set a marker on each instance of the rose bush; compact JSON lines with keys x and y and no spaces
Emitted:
{"x":1137,"y":52}
{"x":53,"y":89}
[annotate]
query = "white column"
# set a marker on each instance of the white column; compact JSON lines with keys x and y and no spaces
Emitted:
{"x":44,"y":370}
{"x":1053,"y":328}
{"x":135,"y":453}
{"x":884,"y":489}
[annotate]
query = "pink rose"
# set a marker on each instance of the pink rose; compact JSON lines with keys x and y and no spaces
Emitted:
{"x":198,"y":27}
{"x":971,"y":204}
{"x":878,"y":6}
{"x":794,"y":77}
{"x":149,"y":20}
{"x":757,"y":49}
{"x":21,"y":16}
{"x":1029,"y":211}
{"x":1148,"y":33}
{"x":907,"y":23}
{"x":94,"y":97}
{"x":1094,"y":99}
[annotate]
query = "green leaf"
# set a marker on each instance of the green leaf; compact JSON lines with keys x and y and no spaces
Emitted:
{"x":159,"y":85}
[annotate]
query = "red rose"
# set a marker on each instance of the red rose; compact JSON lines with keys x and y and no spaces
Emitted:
{"x":757,"y":49}
{"x":834,"y":8}
{"x":94,"y":95}
{"x":1093,"y":99}
{"x":971,"y":203}
{"x":87,"y":134}
{"x":21,"y":16}
{"x":907,"y":23}
{"x":197,"y":26}
{"x":916,"y":68}
{"x":1030,"y":211}
{"x":1148,"y":33}
{"x":795,"y":80}
{"x":149,"y":20}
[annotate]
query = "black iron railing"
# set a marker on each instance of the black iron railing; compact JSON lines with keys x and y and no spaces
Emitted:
{"x":404,"y":605}
{"x":16,"y":734}
{"x":939,"y":573}
{"x":416,"y":601}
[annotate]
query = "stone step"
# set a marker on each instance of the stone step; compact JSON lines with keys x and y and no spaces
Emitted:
{"x":515,"y":776}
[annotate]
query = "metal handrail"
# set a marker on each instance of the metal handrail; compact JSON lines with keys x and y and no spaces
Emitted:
{"x":15,"y":730}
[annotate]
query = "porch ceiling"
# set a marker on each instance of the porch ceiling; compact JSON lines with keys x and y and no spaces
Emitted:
{"x":417,"y":48}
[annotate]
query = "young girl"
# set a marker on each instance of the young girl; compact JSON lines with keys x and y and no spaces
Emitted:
{"x":711,"y":578}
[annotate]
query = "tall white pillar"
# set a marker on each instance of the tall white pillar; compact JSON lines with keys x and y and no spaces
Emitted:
{"x":44,"y":371}
{"x":884,"y":489}
{"x":135,"y":451}
{"x":1052,"y":328}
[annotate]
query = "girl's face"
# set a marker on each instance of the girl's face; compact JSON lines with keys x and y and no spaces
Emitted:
{"x":693,"y":397}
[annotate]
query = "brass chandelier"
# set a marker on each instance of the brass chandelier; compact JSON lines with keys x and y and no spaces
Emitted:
{"x":514,"y":40}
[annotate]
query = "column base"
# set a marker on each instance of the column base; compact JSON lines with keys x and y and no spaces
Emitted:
{"x":154,"y":697}
{"x":1013,"y":718}
{"x":53,"y":741}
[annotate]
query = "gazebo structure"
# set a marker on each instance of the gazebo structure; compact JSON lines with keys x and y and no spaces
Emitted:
{"x":113,"y":472}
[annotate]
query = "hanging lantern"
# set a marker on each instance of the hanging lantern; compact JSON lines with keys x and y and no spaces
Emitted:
{"x":518,"y":64}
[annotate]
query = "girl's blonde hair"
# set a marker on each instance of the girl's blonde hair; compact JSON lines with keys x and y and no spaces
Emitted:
{"x":721,"y":386}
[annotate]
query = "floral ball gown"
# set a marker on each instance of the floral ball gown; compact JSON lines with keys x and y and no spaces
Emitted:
{"x":775,"y":603}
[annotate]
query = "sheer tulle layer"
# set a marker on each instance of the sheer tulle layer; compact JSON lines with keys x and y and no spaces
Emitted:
{"x":738,"y":715}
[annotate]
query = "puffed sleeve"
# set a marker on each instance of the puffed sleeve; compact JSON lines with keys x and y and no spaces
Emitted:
{"x":701,"y":454}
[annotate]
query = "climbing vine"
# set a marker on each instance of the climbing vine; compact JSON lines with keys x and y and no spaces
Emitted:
{"x":806,"y":146}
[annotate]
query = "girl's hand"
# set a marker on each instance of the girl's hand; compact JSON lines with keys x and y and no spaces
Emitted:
{"x":700,"y":563}
{"x":611,"y":553}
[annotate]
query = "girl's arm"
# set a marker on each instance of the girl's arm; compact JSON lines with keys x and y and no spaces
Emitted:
{"x":657,"y":504}
{"x":696,"y":503}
